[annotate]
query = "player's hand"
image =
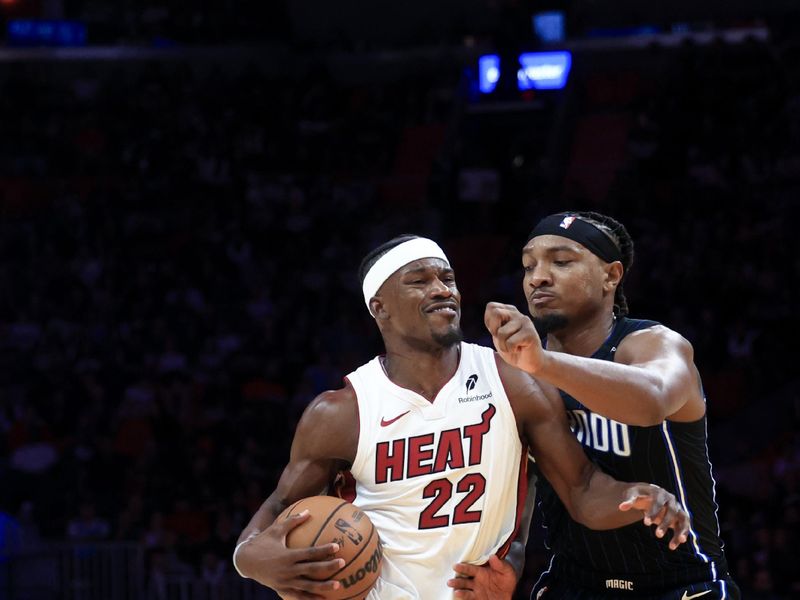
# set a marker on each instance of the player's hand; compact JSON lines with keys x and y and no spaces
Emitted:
{"x":288,"y":571}
{"x":661,"y":509}
{"x":494,"y":580}
{"x":514,"y":336}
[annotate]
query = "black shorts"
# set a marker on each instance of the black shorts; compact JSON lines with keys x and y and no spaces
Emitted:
{"x":553,"y":588}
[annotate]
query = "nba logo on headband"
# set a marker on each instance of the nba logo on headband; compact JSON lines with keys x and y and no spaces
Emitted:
{"x":573,"y":227}
{"x":567,"y":222}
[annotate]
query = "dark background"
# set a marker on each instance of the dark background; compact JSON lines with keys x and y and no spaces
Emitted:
{"x":184,"y":202}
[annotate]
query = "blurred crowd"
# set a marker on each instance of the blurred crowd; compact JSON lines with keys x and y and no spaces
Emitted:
{"x":178,"y":278}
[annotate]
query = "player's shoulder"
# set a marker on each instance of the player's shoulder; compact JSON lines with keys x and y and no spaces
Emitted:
{"x":656,"y":331}
{"x":510,"y":376}
{"x":329,"y":426}
{"x":654,"y":337}
{"x":478,"y":349}
{"x":525,"y":393}
{"x":333,"y":406}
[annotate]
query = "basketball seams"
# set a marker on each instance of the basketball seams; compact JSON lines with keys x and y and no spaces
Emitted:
{"x":371,"y":542}
{"x":355,"y":556}
{"x":362,"y":593}
{"x":330,"y":516}
{"x":289,"y":510}
{"x":359,"y":595}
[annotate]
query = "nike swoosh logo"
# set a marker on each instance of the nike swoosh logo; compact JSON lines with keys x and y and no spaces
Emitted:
{"x":387,"y":422}
{"x":686,"y":595}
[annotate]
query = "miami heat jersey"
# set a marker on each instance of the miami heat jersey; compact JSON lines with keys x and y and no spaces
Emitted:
{"x":443,"y":481}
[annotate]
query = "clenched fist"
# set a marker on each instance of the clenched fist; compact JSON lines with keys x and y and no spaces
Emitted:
{"x":514,"y":337}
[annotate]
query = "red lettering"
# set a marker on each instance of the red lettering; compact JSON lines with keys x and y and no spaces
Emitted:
{"x":390,"y":456}
{"x":385,"y":461}
{"x":416,"y":454}
{"x":475,"y":484}
{"x":475,"y":434}
{"x":440,"y":490}
{"x":449,"y":453}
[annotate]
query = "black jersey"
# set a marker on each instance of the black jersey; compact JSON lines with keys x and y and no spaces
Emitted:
{"x":672,"y":455}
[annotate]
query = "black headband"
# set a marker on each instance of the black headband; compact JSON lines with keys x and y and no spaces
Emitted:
{"x":578,"y":230}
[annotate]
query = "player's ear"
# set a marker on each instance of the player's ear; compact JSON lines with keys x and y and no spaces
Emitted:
{"x":614,"y":271}
{"x":377,"y":308}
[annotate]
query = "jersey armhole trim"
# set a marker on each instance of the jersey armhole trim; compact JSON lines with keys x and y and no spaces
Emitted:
{"x":358,"y":459}
{"x":522,"y":495}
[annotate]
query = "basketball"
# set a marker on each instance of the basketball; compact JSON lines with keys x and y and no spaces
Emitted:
{"x":336,"y":520}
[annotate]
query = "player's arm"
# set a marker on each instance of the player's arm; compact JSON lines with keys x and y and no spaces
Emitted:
{"x":315,"y":455}
{"x":591,"y":497}
{"x":653,"y":377}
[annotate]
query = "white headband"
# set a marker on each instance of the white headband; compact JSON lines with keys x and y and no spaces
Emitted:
{"x":395,"y":258}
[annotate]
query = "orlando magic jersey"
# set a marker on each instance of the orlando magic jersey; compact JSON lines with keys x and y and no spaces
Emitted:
{"x":443,"y":481}
{"x":671,"y":455}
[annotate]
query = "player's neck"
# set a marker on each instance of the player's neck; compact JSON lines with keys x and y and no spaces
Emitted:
{"x":425,"y":373}
{"x":582,"y":338}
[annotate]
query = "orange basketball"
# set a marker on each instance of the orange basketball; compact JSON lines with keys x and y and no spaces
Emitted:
{"x":336,"y":520}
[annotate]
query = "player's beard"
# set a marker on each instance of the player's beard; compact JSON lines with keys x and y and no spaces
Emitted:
{"x":449,"y":338}
{"x":550,"y":323}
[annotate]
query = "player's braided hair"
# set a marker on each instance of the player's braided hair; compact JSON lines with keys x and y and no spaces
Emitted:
{"x":373,"y":255}
{"x":622,"y":239}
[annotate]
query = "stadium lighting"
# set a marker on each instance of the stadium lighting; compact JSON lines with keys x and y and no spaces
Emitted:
{"x":538,"y":71}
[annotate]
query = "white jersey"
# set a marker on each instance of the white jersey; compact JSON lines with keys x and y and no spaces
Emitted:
{"x":443,"y":481}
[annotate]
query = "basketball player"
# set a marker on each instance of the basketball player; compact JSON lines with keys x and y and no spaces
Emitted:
{"x":436,"y":435}
{"x":635,"y":402}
